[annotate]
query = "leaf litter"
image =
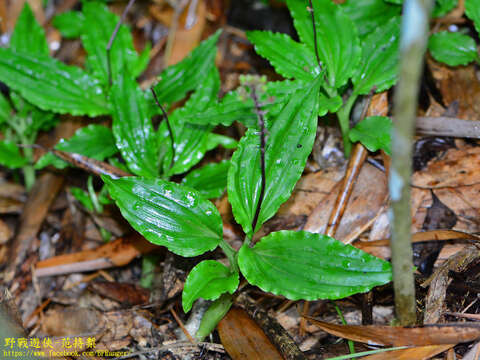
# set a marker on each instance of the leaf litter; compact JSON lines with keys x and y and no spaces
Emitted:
{"x":119,"y":320}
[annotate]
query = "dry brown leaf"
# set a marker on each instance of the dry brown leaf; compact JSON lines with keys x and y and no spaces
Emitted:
{"x":417,"y":353}
{"x":440,"y":279}
{"x":5,"y":232}
{"x":116,"y":253}
{"x":403,"y":336}
{"x":367,"y":200}
{"x":455,"y":84}
{"x":380,"y":248}
{"x":186,"y":39}
{"x":459,"y":167}
{"x":125,"y":294}
{"x":243,"y":339}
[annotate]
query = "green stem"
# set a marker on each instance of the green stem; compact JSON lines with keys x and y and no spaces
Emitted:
{"x":213,"y":315}
{"x":413,"y":43}
{"x":28,"y":170}
{"x":344,"y":119}
{"x":342,"y":319}
{"x":231,"y":255}
{"x":93,"y":196}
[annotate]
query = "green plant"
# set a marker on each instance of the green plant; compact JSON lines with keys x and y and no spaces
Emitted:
{"x":148,"y":152}
{"x":329,"y":71}
{"x":457,"y":48}
{"x":262,"y":174}
{"x":20,"y":121}
{"x":352,"y":61}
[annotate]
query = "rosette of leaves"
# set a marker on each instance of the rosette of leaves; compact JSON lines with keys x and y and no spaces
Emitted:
{"x":297,"y":265}
{"x":352,"y":61}
{"x":146,"y":151}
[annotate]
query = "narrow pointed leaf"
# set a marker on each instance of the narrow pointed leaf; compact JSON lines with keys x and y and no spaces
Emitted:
{"x":10,"y":155}
{"x":210,"y":180}
{"x":168,"y":214}
{"x":28,"y":36}
{"x":337,"y":38}
{"x":231,"y":108}
{"x":191,"y":140}
{"x":176,"y":80}
{"x":368,"y":15}
{"x":215,"y":140}
{"x":289,"y":143}
{"x":373,"y":132}
{"x":472,"y":9}
{"x":52,"y":85}
{"x":380,"y":56}
{"x":298,"y":62}
{"x":5,"y":109}
{"x":93,"y":141}
{"x":70,"y":24}
{"x":303,"y":265}
{"x":208,"y":280}
{"x":452,"y":48}
{"x":83,"y":198}
{"x":234,"y":107}
{"x":442,"y":7}
{"x":132,"y":128}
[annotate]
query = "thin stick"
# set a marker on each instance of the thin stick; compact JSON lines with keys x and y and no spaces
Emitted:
{"x":180,"y":324}
{"x":170,"y":132}
{"x":261,"y":122}
{"x":355,"y":164}
{"x":413,"y":43}
{"x":315,"y":34}
{"x":113,"y":37}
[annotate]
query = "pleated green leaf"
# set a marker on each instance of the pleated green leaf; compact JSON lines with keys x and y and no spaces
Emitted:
{"x":368,"y":15}
{"x":380,"y":56}
{"x":289,"y":58}
{"x":98,"y":27}
{"x":452,"y":49}
{"x":442,"y":7}
{"x":28,"y":36}
{"x":208,"y":280}
{"x":93,"y":141}
{"x":289,"y":142}
{"x":337,"y":38}
{"x":5,"y":109}
{"x":373,"y":132}
{"x":132,"y":128}
{"x":236,"y":107}
{"x":177,"y":80}
{"x":70,"y":24}
{"x":52,"y":85}
{"x":210,"y":180}
{"x":191,"y":140}
{"x":303,"y":265}
{"x":168,"y":214}
{"x":472,"y":9}
{"x":10,"y":155}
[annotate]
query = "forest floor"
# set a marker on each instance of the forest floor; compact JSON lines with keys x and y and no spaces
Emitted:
{"x":55,"y":242}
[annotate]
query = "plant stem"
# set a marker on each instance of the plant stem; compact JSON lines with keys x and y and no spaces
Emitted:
{"x":28,"y":170}
{"x":261,"y":122}
{"x":351,"y":345}
{"x":213,"y":315}
{"x":170,"y":131}
{"x":344,"y":119}
{"x":412,"y":49}
{"x":231,"y":255}
{"x":312,"y":13}
{"x":113,"y":37}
